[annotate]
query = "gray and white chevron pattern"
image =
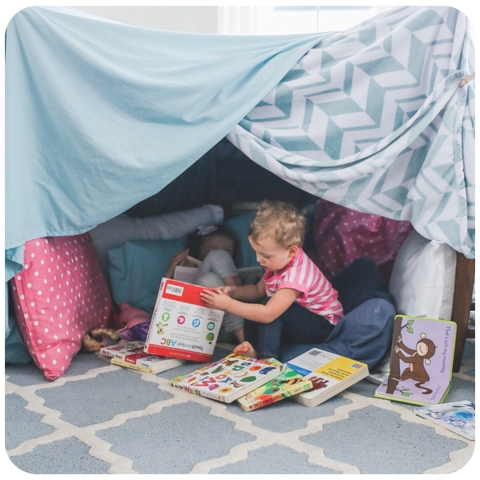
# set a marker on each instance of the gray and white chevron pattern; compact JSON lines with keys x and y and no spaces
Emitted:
{"x":373,"y":118}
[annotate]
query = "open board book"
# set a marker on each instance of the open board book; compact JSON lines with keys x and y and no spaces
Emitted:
{"x":285,"y":385}
{"x":132,"y":355}
{"x":459,"y":417}
{"x":229,"y":378}
{"x":329,"y":373}
{"x":421,"y":361}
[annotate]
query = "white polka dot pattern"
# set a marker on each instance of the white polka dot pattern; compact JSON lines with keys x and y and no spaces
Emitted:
{"x":342,"y":235}
{"x":60,"y":295}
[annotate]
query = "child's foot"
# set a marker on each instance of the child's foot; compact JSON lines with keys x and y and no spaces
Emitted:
{"x":245,"y":349}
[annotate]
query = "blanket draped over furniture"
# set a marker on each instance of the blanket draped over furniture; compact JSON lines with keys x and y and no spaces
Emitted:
{"x":101,"y":115}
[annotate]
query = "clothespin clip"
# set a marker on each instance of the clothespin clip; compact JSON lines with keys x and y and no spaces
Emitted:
{"x":466,"y":80}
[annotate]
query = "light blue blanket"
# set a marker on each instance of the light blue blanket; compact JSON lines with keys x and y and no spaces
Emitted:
{"x":101,"y":115}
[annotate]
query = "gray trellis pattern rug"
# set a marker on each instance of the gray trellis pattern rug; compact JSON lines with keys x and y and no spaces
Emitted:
{"x":103,"y":419}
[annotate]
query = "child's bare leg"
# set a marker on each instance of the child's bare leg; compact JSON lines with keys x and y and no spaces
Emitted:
{"x":240,"y":335}
{"x":245,"y":349}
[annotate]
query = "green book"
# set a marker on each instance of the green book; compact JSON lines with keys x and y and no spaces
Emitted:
{"x":285,"y":385}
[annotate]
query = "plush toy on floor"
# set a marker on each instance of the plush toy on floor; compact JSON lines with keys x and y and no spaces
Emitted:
{"x":98,"y":338}
{"x":129,"y":324}
{"x":132,"y":323}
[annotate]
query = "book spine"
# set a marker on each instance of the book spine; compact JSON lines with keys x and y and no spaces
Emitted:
{"x":276,"y":397}
{"x":158,"y":367}
{"x":260,"y":403}
{"x":201,"y":393}
{"x":133,"y":366}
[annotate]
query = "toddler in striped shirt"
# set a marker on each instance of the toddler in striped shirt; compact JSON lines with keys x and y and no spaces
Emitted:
{"x":293,"y":303}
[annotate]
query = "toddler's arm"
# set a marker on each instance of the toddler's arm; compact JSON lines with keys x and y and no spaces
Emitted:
{"x":256,"y":312}
{"x":246,"y":293}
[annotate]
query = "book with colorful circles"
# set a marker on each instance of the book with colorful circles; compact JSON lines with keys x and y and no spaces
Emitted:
{"x":229,"y":378}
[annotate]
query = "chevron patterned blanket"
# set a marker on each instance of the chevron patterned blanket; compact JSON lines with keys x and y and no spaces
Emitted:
{"x":379,"y":118}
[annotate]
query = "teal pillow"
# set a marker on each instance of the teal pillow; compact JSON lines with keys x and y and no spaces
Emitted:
{"x":136,"y":269}
{"x":16,"y":352}
{"x":240,"y":226}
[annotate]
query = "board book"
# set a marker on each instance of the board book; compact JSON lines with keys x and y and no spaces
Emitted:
{"x":144,"y":362}
{"x":421,"y":361}
{"x":122,"y":349}
{"x":229,"y":378}
{"x":182,"y":325}
{"x":285,"y":385}
{"x":329,"y":373}
{"x":132,"y":355}
{"x":458,"y":417}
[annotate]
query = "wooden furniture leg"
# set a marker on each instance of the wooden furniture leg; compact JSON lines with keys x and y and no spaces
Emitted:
{"x":462,"y":302}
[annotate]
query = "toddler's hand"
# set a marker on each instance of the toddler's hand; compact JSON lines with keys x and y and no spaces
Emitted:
{"x":216,"y":298}
{"x":175,"y":261}
{"x":227,"y":290}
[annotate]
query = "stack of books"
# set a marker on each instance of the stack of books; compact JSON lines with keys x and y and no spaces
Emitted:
{"x":132,"y":355}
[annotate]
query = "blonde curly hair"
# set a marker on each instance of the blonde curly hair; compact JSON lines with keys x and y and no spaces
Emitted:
{"x":280,"y":220}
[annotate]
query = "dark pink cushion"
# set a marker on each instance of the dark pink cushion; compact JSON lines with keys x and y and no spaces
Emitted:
{"x":60,"y":295}
{"x":342,"y":235}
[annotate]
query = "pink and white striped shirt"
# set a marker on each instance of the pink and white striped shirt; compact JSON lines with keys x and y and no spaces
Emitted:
{"x":317,"y":293}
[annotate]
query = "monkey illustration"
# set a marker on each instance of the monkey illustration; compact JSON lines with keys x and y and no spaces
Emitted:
{"x":425,"y":349}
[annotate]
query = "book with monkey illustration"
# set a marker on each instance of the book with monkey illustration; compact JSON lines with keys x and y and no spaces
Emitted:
{"x":329,"y":373}
{"x":228,"y":378}
{"x":421,"y":361}
{"x":285,"y":385}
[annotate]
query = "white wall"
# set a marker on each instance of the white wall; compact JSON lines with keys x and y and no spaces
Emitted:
{"x":183,"y":19}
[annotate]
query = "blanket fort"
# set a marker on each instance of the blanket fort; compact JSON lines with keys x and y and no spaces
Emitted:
{"x":101,"y":115}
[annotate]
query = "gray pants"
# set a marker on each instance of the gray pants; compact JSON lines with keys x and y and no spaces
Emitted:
{"x":216,"y":266}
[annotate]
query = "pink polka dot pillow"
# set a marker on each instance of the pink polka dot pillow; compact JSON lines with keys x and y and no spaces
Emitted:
{"x":60,"y":295}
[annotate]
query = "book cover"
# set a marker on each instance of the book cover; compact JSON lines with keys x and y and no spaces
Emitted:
{"x":329,"y":373}
{"x":122,"y":349}
{"x":285,"y":385}
{"x":228,"y":378}
{"x":144,"y":362}
{"x":421,"y":361}
{"x":459,"y":417}
{"x":182,"y":325}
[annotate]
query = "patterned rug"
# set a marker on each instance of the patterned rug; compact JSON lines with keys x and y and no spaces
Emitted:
{"x":103,"y":419}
